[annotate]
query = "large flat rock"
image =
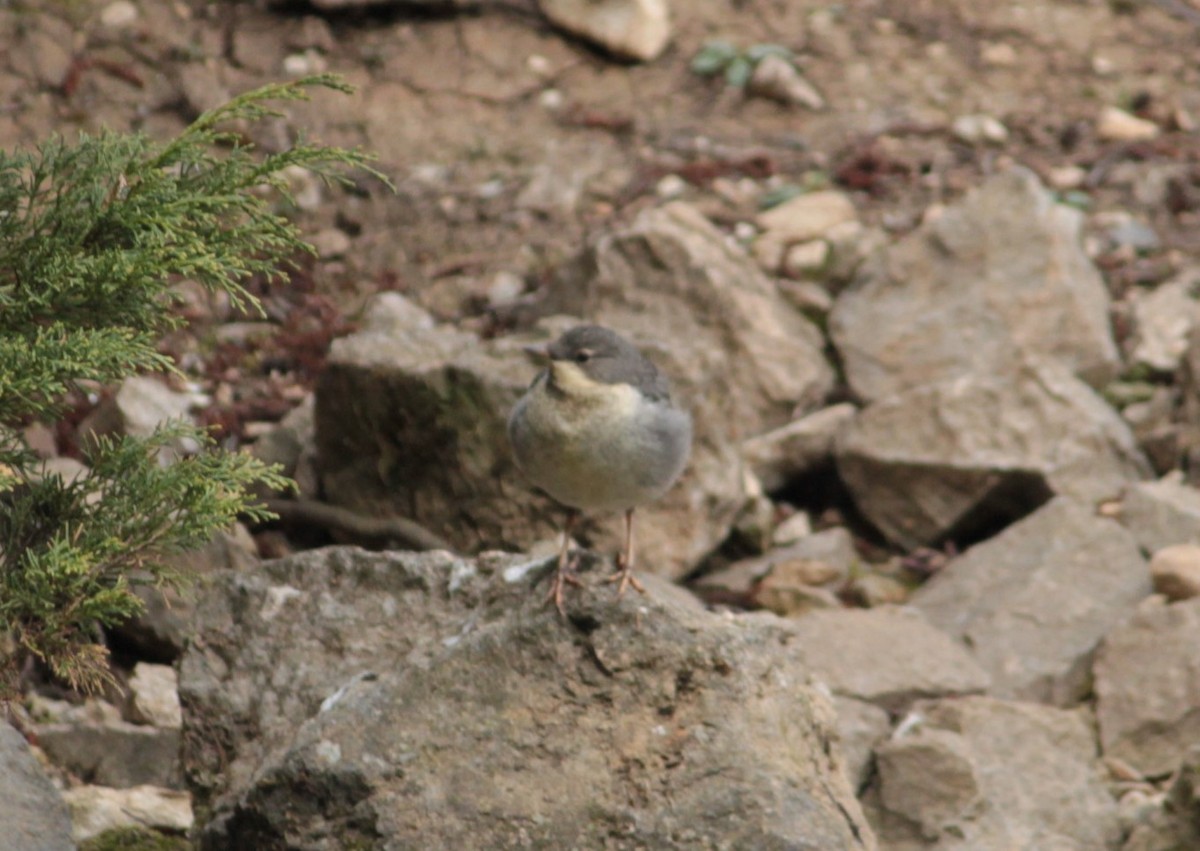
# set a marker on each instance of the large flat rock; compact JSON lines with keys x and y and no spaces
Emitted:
{"x":407,"y":701}
{"x":1148,"y":687}
{"x":1033,"y":602}
{"x":980,"y":774}
{"x":996,"y":278}
{"x":888,"y":656}
{"x":947,"y":459}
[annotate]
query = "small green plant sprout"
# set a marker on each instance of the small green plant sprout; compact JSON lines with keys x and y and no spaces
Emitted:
{"x":722,"y":57}
{"x":93,"y":235}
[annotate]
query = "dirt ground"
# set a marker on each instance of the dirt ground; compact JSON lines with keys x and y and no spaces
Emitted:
{"x":509,"y":143}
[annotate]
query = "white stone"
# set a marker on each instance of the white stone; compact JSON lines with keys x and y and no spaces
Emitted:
{"x":119,"y":14}
{"x":155,"y":690}
{"x":979,"y":128}
{"x":1120,"y":126}
{"x":671,"y":186}
{"x":1066,"y":177}
{"x":791,"y":530}
{"x":68,"y":469}
{"x":505,"y":288}
{"x":391,"y":312}
{"x":807,"y":216}
{"x":744,"y":232}
{"x":95,"y":809}
{"x":776,"y":78}
{"x":331,"y":242}
{"x":307,"y":190}
{"x":1176,"y":571}
{"x":1163,"y":320}
{"x":1102,"y":66}
{"x":302,"y":64}
{"x":806,"y":258}
{"x":998,"y":54}
{"x":635,"y":29}
{"x":538,"y":64}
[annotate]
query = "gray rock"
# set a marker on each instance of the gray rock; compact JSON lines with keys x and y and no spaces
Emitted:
{"x":410,"y":420}
{"x":1152,"y":419}
{"x":559,"y":178}
{"x":633,"y":29}
{"x":139,"y":406}
{"x":1175,"y":571}
{"x":778,"y":79}
{"x":115,"y":754}
{"x":886,"y":656}
{"x":1176,"y":824}
{"x":1162,"y":513}
{"x":979,"y":774}
{"x":292,"y":445}
{"x":1162,"y":324}
{"x":160,"y":630}
{"x":822,"y":558}
{"x":42,"y":52}
{"x":1034,"y":601}
{"x":437,"y":703}
{"x":998,"y":277}
{"x":31,"y":809}
{"x":799,"y":447}
{"x":861,"y":726}
{"x":948,"y":459}
{"x":1188,"y":415}
{"x":1135,"y":234}
{"x":1148,"y":687}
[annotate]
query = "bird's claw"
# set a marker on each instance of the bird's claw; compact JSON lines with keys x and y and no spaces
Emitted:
{"x":624,"y":575}
{"x":563,"y":575}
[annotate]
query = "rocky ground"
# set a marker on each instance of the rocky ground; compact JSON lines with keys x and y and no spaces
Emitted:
{"x":926,"y":275}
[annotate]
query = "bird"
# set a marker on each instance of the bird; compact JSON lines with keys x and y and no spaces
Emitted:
{"x":597,"y":430}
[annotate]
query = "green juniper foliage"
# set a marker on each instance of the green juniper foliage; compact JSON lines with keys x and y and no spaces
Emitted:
{"x":93,"y":234}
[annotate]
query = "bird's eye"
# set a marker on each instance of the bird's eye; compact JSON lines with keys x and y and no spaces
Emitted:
{"x":583,"y":356}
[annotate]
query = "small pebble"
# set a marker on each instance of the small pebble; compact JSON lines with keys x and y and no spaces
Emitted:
{"x":1067,"y":177}
{"x":505,"y":288}
{"x":671,"y":186}
{"x":1175,"y":571}
{"x":805,"y":258}
{"x":1117,"y":125}
{"x":119,"y":14}
{"x":979,"y":128}
{"x":302,"y":64}
{"x":331,"y":242}
{"x":998,"y":54}
{"x":791,"y":530}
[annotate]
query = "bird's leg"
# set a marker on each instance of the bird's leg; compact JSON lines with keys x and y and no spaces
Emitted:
{"x":624,"y":573}
{"x":564,"y":574}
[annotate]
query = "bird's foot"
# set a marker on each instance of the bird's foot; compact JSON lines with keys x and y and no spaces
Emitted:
{"x":625,"y":577}
{"x":563,"y":575}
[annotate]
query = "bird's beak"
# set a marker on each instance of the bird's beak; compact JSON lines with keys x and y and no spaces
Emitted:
{"x":541,"y":353}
